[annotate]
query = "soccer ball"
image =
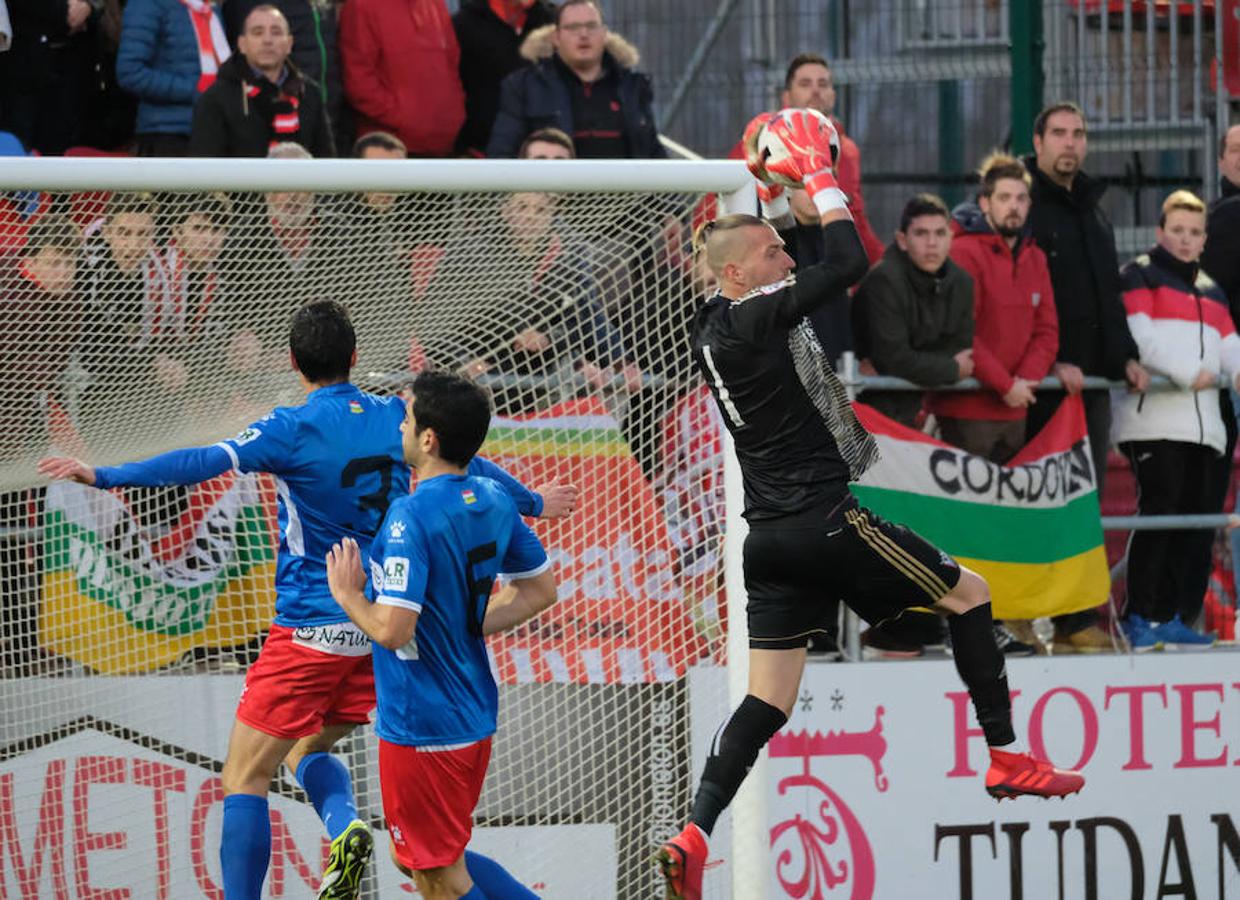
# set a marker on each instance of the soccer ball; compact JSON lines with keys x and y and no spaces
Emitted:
{"x":773,"y":149}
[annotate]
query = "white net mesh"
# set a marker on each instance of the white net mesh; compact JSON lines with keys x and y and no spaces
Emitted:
{"x":129,"y":616}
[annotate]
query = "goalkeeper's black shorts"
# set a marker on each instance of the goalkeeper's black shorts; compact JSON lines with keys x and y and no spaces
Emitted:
{"x":795,"y":566}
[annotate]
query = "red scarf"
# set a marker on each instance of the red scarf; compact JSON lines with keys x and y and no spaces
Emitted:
{"x":285,"y":122}
{"x":212,"y":45}
{"x":168,"y":313}
{"x":28,"y":274}
{"x":512,"y":12}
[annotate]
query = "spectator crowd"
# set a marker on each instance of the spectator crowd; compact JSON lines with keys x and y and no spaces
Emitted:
{"x":1018,"y":284}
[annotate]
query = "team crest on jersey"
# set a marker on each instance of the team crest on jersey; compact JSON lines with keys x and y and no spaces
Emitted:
{"x":376,"y":576}
{"x":395,"y":573}
{"x":396,"y":531}
{"x":355,"y":408}
{"x":468,"y":496}
{"x":247,"y":435}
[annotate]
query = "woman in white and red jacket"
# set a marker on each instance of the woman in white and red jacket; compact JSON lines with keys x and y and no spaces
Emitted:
{"x":1181,"y":323}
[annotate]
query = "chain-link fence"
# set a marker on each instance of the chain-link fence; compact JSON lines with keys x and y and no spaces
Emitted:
{"x":927,"y":89}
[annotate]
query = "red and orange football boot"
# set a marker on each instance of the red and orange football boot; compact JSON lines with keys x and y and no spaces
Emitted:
{"x":1021,"y":774}
{"x":682,"y":860}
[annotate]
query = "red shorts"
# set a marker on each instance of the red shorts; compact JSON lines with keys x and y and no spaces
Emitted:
{"x":308,"y":677}
{"x":429,"y":798}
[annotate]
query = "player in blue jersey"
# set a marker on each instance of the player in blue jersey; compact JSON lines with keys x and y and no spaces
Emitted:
{"x":432,"y":568}
{"x":339,"y":465}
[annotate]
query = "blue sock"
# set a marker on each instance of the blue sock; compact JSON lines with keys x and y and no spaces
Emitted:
{"x":327,"y":783}
{"x":494,"y":879}
{"x":245,"y":847}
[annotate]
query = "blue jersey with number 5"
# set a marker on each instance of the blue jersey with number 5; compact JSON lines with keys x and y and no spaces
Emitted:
{"x":338,"y":466}
{"x":438,"y":554}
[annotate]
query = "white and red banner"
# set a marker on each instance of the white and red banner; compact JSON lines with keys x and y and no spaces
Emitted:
{"x":874,"y":789}
{"x":122,"y":801}
{"x":623,"y":616}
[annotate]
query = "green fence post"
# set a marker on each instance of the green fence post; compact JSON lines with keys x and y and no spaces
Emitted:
{"x":951,"y":143}
{"x":1025,"y":27}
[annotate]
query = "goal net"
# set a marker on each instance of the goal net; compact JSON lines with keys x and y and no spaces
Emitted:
{"x":143,"y":319}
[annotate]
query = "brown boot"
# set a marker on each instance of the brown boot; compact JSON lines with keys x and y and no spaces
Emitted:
{"x":1087,"y":640}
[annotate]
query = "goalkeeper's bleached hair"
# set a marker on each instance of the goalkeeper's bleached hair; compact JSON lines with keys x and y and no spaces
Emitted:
{"x":715,"y":238}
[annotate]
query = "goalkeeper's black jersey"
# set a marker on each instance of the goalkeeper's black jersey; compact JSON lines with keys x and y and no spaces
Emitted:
{"x":797,"y":439}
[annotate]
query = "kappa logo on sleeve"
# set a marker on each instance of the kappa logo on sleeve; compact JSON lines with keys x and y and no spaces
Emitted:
{"x":395,"y":573}
{"x":247,"y":435}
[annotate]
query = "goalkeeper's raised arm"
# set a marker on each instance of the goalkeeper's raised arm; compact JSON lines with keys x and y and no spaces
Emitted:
{"x":746,"y":254}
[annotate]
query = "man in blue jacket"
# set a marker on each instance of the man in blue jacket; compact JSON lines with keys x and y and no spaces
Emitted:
{"x":583,"y":84}
{"x":170,"y":53}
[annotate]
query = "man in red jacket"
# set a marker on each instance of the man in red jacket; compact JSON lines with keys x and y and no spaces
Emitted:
{"x":1016,"y":330}
{"x":400,"y":61}
{"x":808,"y":83}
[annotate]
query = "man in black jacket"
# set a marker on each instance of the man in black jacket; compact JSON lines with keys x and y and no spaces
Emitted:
{"x":583,"y":84}
{"x":913,"y":312}
{"x":260,"y":98}
{"x":313,"y":25}
{"x":490,"y":35}
{"x":1094,"y":339}
{"x":1221,"y":258}
{"x":1221,"y":261}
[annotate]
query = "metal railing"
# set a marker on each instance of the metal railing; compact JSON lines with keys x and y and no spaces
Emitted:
{"x":1148,"y":75}
{"x":856,"y":384}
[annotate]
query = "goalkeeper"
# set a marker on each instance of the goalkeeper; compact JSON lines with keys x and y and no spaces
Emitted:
{"x":799,"y":445}
{"x":338,"y":464}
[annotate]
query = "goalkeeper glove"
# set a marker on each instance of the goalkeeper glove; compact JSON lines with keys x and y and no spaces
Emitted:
{"x":812,"y":146}
{"x":774,"y":202}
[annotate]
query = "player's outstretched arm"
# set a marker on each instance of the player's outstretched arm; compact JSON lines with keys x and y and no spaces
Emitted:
{"x":389,"y":626}
{"x":519,"y":602}
{"x":555,"y":500}
{"x":188,"y":466}
{"x":559,"y":500}
{"x":66,"y":468}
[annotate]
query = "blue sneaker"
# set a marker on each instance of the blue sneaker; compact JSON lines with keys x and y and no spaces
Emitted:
{"x":1176,"y":635}
{"x":1140,"y":634}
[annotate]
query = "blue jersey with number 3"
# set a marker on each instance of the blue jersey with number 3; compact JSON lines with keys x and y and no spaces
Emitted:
{"x":438,"y":554}
{"x":338,"y":465}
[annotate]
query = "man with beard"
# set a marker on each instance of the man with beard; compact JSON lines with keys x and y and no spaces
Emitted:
{"x":1220,"y":258}
{"x":1015,"y":331}
{"x":1079,"y":242}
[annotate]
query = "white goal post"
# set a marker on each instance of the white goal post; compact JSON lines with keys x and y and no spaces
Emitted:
{"x":129,"y":615}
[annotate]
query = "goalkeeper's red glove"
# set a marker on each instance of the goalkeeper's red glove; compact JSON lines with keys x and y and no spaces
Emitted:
{"x":813,"y":145}
{"x":749,"y":141}
{"x":774,"y":202}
